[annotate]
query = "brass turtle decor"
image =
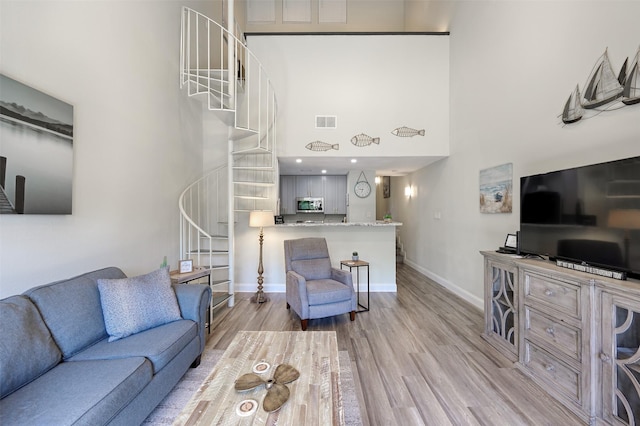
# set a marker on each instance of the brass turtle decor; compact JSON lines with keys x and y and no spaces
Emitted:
{"x":277,"y":392}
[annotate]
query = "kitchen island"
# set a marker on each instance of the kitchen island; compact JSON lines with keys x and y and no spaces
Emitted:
{"x":375,"y":243}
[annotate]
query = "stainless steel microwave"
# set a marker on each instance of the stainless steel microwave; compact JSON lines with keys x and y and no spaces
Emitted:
{"x":310,"y":205}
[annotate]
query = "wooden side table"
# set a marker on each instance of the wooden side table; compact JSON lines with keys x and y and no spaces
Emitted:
{"x":358,"y":264}
{"x":197,"y":273}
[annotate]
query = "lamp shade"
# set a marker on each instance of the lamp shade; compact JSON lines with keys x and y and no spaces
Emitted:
{"x":624,"y":219}
{"x":261,"y":218}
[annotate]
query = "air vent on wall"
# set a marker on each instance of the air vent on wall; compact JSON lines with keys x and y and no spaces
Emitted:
{"x":326,"y":122}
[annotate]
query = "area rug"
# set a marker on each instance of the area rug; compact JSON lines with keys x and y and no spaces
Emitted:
{"x":172,"y":405}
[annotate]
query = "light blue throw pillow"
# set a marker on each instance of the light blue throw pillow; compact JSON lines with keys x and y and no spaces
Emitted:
{"x":132,"y":305}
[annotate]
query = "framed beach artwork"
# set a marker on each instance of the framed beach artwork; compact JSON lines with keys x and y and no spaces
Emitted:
{"x":496,"y":189}
{"x":36,"y":152}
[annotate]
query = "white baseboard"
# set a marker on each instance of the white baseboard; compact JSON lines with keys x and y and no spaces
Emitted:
{"x":474,"y":300}
{"x":253,"y":287}
{"x":281,"y":288}
{"x":378,"y":288}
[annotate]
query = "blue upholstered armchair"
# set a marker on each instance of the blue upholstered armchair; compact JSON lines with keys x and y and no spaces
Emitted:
{"x":314,"y":288}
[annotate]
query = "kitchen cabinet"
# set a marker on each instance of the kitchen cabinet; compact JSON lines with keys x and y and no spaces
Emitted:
{"x":309,"y":186}
{"x":287,"y":195}
{"x":332,"y":188}
{"x":335,"y":194}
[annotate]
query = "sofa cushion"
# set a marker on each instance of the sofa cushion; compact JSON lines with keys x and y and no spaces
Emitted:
{"x":320,"y":292}
{"x":27,"y":349}
{"x":71,"y":309}
{"x":160,"y":344}
{"x":135,"y":304}
{"x":91,"y":392}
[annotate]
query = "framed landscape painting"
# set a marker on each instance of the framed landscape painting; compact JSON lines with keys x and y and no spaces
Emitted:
{"x":496,"y":191}
{"x":386,"y":186}
{"x":36,"y":151}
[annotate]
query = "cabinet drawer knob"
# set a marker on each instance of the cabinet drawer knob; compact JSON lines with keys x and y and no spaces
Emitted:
{"x":548,"y":292}
{"x":550,"y":367}
{"x":551,"y":331}
{"x":604,"y":357}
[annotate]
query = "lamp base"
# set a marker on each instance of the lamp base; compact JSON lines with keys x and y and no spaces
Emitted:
{"x":259,"y":297}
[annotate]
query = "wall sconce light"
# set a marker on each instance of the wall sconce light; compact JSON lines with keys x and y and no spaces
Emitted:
{"x":377,"y":180}
{"x":408,"y":191}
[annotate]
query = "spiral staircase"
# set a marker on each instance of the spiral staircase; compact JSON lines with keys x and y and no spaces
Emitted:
{"x":218,"y":68}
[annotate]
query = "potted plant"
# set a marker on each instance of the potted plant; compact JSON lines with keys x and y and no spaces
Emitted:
{"x":387,"y":217}
{"x":354,"y":256}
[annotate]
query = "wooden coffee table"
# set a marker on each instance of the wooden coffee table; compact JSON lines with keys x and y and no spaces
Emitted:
{"x":315,"y":396}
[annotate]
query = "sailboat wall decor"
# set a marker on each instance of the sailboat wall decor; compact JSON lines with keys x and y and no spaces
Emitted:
{"x":631,"y":92}
{"x":602,"y":85}
{"x":604,"y":91}
{"x":573,"y":110}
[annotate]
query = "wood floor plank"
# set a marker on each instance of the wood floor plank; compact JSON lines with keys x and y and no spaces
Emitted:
{"x":360,"y":395}
{"x":417,"y":357}
{"x":377,"y":404}
{"x":426,"y":402}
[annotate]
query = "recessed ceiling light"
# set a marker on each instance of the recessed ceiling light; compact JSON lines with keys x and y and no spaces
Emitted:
{"x":324,"y":171}
{"x":298,"y":160}
{"x":353,"y":160}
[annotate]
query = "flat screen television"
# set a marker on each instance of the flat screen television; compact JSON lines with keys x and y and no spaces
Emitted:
{"x":587,"y":215}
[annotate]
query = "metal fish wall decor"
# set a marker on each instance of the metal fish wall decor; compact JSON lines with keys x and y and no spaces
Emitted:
{"x":321,"y":146}
{"x":364,"y":140}
{"x":407,"y":132}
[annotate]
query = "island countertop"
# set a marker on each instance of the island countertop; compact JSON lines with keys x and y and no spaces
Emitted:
{"x":375,"y":243}
{"x":338,"y":224}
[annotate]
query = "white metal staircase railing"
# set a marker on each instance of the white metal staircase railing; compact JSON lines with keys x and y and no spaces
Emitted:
{"x":217,"y":67}
{"x":214,"y":63}
{"x":203,"y":219}
{"x":204,"y":233}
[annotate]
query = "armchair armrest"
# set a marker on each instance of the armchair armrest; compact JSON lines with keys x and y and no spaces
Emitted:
{"x":193,"y":300}
{"x":297,"y":296}
{"x":342,"y":276}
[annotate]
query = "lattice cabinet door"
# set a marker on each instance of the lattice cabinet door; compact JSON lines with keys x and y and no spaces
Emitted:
{"x":620,"y":358}
{"x":501,"y":307}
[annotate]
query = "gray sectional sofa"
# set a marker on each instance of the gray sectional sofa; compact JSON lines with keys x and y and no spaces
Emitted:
{"x":59,"y":367}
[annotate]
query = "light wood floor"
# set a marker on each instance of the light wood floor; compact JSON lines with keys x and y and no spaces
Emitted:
{"x":417,"y":358}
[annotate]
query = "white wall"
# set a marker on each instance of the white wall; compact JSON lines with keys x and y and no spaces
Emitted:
{"x":361,"y":209}
{"x":138,"y":139}
{"x":373,"y":84}
{"x":513,"y":65}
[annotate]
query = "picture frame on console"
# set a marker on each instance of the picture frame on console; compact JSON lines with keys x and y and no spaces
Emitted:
{"x":185,"y":266}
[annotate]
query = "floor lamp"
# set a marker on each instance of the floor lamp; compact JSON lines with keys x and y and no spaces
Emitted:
{"x":260,"y":219}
